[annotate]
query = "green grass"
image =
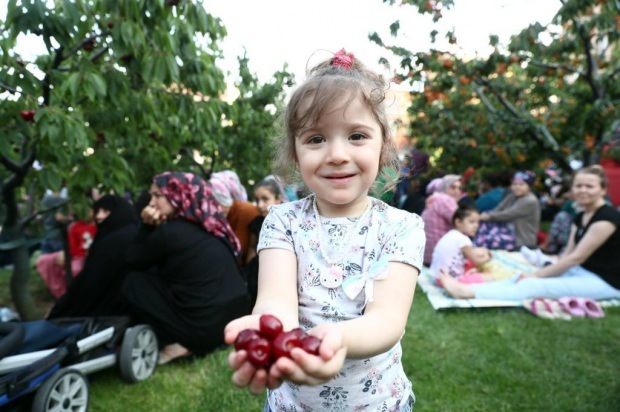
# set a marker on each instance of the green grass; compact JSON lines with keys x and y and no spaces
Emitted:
{"x":462,"y":360}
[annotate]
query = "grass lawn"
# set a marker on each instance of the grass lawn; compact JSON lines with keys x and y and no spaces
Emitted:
{"x":464,"y":360}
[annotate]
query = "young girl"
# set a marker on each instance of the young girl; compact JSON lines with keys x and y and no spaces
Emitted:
{"x":455,"y":250}
{"x":337,"y":263}
{"x":267,"y":192}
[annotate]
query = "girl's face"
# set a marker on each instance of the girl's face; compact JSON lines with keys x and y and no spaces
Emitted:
{"x":587,"y":189}
{"x":160,"y":202}
{"x":469,"y":224}
{"x":520,"y":188}
{"x":101,"y":215}
{"x":265,"y":198}
{"x":338,"y":157}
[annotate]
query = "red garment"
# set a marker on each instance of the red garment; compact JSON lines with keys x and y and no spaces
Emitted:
{"x":437,"y":216}
{"x":81,"y":235}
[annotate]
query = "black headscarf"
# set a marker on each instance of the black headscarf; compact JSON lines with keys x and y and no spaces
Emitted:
{"x":122,"y":213}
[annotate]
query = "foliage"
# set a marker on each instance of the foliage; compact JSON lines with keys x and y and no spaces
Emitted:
{"x":550,"y":97}
{"x":124,"y":90}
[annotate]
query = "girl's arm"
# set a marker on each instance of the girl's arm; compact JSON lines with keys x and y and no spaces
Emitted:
{"x":277,"y":295}
{"x":363,"y":337}
{"x":476,"y":255}
{"x":371,"y":334}
{"x":597,"y":234}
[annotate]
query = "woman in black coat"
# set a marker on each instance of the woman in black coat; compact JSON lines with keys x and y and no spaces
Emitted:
{"x":96,"y":290}
{"x":188,"y":284}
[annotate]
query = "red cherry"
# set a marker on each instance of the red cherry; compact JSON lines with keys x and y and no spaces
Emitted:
{"x":311,"y":344}
{"x":299,"y":332}
{"x":284,"y":343}
{"x":259,"y":352}
{"x":171,"y":3}
{"x":270,"y":326}
{"x":27,"y":115}
{"x":110,"y":24}
{"x":245,"y":337}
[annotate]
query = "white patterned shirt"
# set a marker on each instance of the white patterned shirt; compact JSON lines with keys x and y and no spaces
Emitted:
{"x":382,"y":235}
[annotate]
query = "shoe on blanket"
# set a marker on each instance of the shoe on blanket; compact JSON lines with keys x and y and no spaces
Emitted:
{"x":536,"y":257}
{"x":546,"y":308}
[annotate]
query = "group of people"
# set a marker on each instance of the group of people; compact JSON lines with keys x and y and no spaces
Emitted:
{"x":336,"y":263}
{"x":178,"y":259}
{"x":588,"y":266}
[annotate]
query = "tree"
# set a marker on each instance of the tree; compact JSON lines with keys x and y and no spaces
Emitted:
{"x":548,"y":98}
{"x":126,"y":89}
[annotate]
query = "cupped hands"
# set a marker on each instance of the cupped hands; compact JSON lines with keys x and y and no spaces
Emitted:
{"x":297,"y":365}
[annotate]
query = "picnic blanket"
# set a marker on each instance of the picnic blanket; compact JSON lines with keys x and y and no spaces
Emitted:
{"x":503,"y":265}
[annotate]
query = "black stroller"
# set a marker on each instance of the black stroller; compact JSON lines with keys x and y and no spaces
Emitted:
{"x":49,"y":359}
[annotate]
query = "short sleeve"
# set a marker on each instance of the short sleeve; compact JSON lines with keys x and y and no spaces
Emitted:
{"x":406,"y":239}
{"x":276,"y":231}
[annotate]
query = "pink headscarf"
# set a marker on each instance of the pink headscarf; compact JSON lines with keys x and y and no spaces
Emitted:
{"x":193,"y":200}
{"x":227,"y":187}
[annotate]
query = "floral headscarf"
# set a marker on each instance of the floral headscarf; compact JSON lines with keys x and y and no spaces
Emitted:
{"x":192,"y":199}
{"x":525,"y":175}
{"x":227,"y":187}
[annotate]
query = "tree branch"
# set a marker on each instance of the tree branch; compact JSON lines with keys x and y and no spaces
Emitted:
{"x":9,"y":88}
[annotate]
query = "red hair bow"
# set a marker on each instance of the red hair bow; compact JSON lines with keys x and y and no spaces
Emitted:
{"x":343,"y":59}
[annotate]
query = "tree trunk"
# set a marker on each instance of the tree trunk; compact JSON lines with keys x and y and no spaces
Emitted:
{"x":19,"y":284}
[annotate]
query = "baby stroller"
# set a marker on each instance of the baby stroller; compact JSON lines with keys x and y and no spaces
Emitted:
{"x":49,"y":359}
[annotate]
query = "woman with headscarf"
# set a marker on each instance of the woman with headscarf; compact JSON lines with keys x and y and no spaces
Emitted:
{"x":188,"y":284}
{"x":233,"y":199}
{"x":96,"y":291}
{"x":438,"y":212}
{"x":516,"y":220}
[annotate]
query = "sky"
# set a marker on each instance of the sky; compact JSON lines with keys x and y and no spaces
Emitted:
{"x":302,"y":33}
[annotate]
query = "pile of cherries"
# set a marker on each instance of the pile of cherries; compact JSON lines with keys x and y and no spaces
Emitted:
{"x":269,"y":343}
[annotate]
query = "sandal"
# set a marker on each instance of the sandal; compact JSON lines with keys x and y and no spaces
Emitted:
{"x":558,"y":310}
{"x":539,"y":307}
{"x":592,"y":308}
{"x":572,"y":306}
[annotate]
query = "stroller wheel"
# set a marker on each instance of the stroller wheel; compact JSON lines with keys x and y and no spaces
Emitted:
{"x":65,"y":390}
{"x":139,"y":353}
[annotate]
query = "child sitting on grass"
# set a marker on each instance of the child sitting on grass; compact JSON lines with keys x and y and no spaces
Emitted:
{"x":455,"y":253}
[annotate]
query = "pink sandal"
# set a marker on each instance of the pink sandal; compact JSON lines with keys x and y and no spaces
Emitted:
{"x":592,"y":308}
{"x":539,"y":307}
{"x":572,"y":306}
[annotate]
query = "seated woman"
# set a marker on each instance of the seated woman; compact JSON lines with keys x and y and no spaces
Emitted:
{"x":233,"y":199}
{"x":589,"y":266}
{"x":438,"y":212}
{"x":188,"y":284}
{"x":96,"y":291}
{"x":515,"y":221}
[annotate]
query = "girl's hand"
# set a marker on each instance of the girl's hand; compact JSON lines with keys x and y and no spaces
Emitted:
{"x":307,"y":369}
{"x":303,"y":368}
{"x":244,"y":373}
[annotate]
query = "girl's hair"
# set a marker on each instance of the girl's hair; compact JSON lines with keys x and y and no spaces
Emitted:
{"x":328,"y":83}
{"x":596,"y":170}
{"x":272,"y":185}
{"x":462,"y":212}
